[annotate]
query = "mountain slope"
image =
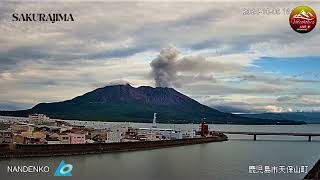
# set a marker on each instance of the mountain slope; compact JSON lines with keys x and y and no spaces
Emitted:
{"x":308,"y":117}
{"x":127,"y":103}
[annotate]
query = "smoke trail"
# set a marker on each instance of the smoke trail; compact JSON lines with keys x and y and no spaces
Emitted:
{"x":164,"y":67}
{"x":170,"y":70}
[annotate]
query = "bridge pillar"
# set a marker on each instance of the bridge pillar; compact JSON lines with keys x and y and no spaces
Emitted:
{"x":309,"y":139}
{"x":254,"y":137}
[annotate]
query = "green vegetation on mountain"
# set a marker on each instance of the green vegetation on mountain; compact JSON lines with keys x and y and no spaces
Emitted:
{"x":130,"y":104}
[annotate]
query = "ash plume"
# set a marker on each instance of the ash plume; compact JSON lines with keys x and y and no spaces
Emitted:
{"x":170,"y":70}
{"x":164,"y":69}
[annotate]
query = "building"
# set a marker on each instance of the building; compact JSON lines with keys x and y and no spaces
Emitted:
{"x":151,"y":136}
{"x":166,"y":133}
{"x":21,"y":127}
{"x":176,"y":135}
{"x":62,"y":123}
{"x":34,"y":134}
{"x":38,"y":118}
{"x":98,"y":135}
{"x":117,"y":133}
{"x":50,"y":140}
{"x":188,"y":134}
{"x":77,"y":138}
{"x":64,"y":138}
{"x":34,"y":137}
{"x":4,"y":125}
{"x":18,"y":139}
{"x":5,"y":137}
{"x":131,"y":134}
{"x":29,"y":137}
{"x":204,"y":130}
{"x":114,"y":136}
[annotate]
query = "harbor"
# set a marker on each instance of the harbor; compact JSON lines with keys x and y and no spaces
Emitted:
{"x":19,"y":150}
{"x":221,"y":160}
{"x":38,"y":135}
{"x":221,"y":151}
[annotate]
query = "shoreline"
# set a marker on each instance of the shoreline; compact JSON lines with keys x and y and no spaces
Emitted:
{"x":147,"y":122}
{"x":23,"y":150}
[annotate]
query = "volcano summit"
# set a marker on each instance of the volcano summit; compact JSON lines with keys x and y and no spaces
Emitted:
{"x":126,"y":103}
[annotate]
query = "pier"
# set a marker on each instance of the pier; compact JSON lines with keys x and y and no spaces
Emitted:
{"x":255,"y":134}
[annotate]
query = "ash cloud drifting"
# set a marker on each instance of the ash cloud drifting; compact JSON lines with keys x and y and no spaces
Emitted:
{"x":168,"y":67}
{"x":170,"y":70}
{"x":164,"y":69}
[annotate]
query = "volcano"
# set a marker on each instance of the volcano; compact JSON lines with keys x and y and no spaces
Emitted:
{"x":124,"y":103}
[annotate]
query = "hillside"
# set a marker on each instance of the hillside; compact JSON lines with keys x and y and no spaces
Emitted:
{"x":127,"y":103}
{"x":308,"y":117}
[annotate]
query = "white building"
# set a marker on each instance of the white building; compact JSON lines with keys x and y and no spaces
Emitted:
{"x":116,"y":133}
{"x":166,"y":133}
{"x":38,"y":118}
{"x":114,"y":136}
{"x":151,"y":136}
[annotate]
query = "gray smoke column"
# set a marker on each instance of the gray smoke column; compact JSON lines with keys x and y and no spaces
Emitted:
{"x":164,"y":68}
{"x":171,"y":70}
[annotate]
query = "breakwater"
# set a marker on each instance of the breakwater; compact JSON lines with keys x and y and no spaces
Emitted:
{"x":34,"y":150}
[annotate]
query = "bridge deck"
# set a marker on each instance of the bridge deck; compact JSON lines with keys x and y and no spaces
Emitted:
{"x":269,"y":133}
{"x":255,"y":134}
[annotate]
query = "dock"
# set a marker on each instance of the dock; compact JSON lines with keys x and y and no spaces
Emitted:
{"x":255,"y":134}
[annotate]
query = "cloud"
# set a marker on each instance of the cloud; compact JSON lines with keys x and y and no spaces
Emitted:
{"x":285,"y":98}
{"x":171,"y":70}
{"x":44,"y":62}
{"x":116,"y":82}
{"x":141,"y":27}
{"x":276,"y":109}
{"x":197,"y":63}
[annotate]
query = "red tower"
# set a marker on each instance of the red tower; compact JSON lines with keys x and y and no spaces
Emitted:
{"x":204,"y":130}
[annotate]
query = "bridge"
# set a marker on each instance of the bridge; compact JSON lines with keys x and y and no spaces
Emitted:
{"x":255,"y":134}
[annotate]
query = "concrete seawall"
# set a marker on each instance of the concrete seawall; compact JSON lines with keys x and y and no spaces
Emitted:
{"x":24,"y":150}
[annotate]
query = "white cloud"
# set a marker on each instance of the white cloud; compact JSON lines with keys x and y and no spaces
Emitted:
{"x":276,"y":109}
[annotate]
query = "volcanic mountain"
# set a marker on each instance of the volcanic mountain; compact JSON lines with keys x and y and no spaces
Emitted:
{"x":126,"y":103}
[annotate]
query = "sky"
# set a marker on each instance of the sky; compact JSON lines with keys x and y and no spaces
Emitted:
{"x":216,"y":55}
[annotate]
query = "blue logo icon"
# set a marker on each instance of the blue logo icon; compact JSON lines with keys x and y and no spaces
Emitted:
{"x":64,"y":169}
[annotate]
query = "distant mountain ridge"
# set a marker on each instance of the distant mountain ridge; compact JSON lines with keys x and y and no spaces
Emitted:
{"x":127,"y":103}
{"x":308,"y":117}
